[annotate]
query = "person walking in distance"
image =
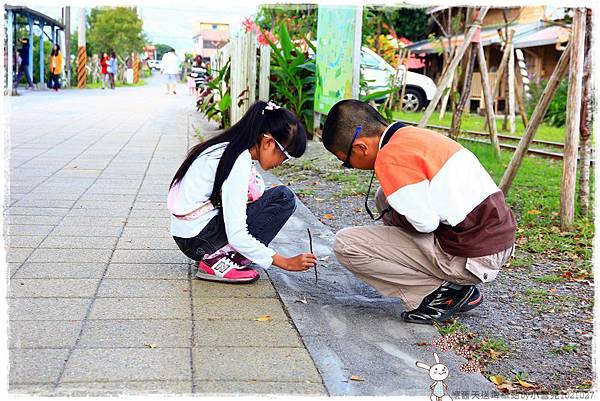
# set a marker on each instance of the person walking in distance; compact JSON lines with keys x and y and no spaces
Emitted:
{"x":170,"y":69}
{"x":104,"y":69}
{"x":24,"y":66}
{"x":55,"y":68}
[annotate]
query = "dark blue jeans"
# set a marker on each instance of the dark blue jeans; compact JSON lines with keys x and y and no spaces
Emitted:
{"x":23,"y":69}
{"x":265,"y":218}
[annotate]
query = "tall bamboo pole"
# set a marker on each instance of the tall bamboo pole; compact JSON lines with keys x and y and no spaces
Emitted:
{"x":465,"y":94}
{"x":511,"y":89}
{"x":447,"y":76}
{"x":569,"y":174}
{"x":489,"y":100}
{"x":585,"y":147}
{"x":501,"y":67}
{"x":81,"y":52}
{"x":535,"y":121}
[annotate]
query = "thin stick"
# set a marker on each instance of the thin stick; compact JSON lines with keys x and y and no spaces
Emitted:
{"x":311,"y":251}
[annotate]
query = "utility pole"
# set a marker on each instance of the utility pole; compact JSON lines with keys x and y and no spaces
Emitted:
{"x":81,"y":55}
{"x":67,"y":49}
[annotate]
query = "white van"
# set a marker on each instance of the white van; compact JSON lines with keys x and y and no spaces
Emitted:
{"x":419,"y":88}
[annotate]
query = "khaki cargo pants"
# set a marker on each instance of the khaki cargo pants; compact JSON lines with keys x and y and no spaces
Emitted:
{"x":399,"y":263}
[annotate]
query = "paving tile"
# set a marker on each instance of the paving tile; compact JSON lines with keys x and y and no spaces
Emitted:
{"x":60,"y":270}
{"x":16,"y":230}
{"x":141,"y":232}
{"x":64,"y":242}
{"x":87,"y":231}
{"x":245,"y":333}
{"x":43,"y":334}
{"x":207,"y":289}
{"x":141,"y":308}
{"x":52,"y":288}
{"x":93,"y":221}
{"x":148,"y":271}
{"x":67,"y":255}
{"x":136,"y":334}
{"x":254,"y":363}
{"x":147,"y":243}
{"x":222,"y":388}
{"x":123,"y":364}
{"x":237,"y":309}
{"x":47,"y":308}
{"x":31,"y":389}
{"x":96,"y":389}
{"x":33,"y":220}
{"x":148,"y":256}
{"x":40,"y":202}
{"x":35,"y":365}
{"x":37,"y":211}
{"x":18,"y":255}
{"x":155,"y":212}
{"x":156,"y":205}
{"x":24,"y":241}
{"x":140,"y":288}
{"x":148,"y":221}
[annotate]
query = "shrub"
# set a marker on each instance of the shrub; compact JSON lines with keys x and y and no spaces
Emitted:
{"x":557,"y":110}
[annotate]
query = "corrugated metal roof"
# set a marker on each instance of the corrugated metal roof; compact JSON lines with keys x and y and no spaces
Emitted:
{"x":526,"y":35}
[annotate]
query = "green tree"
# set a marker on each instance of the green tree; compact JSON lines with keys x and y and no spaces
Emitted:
{"x":300,"y":19}
{"x":411,"y":23}
{"x":117,"y":29}
{"x":161,"y":49}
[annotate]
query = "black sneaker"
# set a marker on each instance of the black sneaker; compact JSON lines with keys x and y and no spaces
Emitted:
{"x":441,"y":304}
{"x":474,"y":301}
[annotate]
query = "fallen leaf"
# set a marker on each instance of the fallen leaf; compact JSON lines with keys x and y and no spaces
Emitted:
{"x":534,"y":211}
{"x":505,"y":387}
{"x":264,"y":318}
{"x":302,"y":301}
{"x":496,"y":379}
{"x":567,"y":274}
{"x":357,"y":378}
{"x":524,"y":384}
{"x":150,"y":345}
{"x":328,"y":216}
{"x":422,"y":344}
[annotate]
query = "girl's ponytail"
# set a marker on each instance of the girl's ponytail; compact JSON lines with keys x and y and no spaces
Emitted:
{"x":282,"y":124}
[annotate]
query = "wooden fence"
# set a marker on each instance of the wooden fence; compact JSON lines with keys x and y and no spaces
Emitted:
{"x":250,"y":70}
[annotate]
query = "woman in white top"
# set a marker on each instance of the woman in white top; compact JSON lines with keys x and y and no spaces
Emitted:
{"x":221,"y":215}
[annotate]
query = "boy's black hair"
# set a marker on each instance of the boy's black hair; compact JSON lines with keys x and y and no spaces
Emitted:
{"x":343,"y":119}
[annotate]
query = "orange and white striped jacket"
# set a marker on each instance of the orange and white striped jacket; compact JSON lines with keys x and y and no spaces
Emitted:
{"x":440,"y":187}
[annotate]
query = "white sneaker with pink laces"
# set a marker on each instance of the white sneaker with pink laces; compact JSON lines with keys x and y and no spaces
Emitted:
{"x":225,"y":270}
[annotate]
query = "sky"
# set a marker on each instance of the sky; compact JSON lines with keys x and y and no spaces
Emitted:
{"x":173,"y":25}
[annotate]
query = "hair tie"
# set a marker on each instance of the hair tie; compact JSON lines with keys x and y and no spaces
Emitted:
{"x":270,"y":106}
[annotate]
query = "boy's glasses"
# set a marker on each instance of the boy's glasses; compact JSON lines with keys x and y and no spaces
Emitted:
{"x":346,"y":162}
{"x":285,"y":153}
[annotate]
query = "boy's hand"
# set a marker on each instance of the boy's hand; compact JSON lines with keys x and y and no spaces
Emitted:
{"x":301,"y":262}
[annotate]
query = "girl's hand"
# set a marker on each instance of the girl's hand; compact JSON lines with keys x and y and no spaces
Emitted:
{"x":301,"y":262}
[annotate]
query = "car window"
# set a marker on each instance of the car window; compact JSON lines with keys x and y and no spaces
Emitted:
{"x":369,"y":61}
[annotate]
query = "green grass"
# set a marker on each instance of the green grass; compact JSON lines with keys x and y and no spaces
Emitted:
{"x":543,"y":301}
{"x":550,"y":279}
{"x":450,"y":328}
{"x":535,"y":200}
{"x":98,"y":85}
{"x":474,"y":122}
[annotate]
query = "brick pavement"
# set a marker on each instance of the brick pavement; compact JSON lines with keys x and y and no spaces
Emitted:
{"x":100,"y":300}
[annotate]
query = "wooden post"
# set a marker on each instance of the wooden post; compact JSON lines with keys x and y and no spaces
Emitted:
{"x":252,"y":67}
{"x":519,"y":90}
{"x":67,"y":47}
{"x":501,"y":67}
{"x":404,"y":79}
{"x":81,"y":54}
{"x":567,"y":189}
{"x":465,"y":93}
{"x":489,"y":100}
{"x":447,"y":76}
{"x":585,"y":147}
{"x":265,"y":71}
{"x":511,"y":89}
{"x":535,"y":121}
